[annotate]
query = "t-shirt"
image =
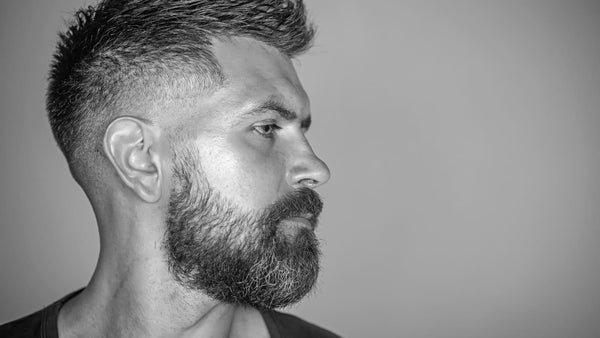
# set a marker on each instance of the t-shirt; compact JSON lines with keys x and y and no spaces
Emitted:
{"x":43,"y":324}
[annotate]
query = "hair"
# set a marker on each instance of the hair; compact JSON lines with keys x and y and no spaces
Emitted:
{"x":122,"y":51}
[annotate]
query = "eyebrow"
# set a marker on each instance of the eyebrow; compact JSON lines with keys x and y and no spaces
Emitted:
{"x":285,"y":113}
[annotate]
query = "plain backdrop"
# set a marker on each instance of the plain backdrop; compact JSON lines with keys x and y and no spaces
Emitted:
{"x":463,"y":139}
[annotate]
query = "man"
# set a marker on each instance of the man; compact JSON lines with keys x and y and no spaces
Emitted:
{"x":184,"y":123}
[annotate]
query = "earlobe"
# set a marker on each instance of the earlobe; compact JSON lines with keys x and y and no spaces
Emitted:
{"x":131,"y":146}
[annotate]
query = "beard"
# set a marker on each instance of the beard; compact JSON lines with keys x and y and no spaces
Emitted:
{"x":235,"y":256}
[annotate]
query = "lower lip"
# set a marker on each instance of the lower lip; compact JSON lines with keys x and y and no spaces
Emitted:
{"x":299,"y":221}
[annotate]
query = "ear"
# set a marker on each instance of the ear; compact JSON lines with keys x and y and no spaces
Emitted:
{"x":132,"y":147}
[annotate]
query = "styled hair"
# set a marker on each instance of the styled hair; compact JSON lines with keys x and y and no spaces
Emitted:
{"x":119,"y":50}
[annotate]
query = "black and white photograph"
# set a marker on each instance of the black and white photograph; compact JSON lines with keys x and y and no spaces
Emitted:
{"x":300,"y":168}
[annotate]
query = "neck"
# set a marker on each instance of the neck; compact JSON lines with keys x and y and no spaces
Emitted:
{"x":132,"y":294}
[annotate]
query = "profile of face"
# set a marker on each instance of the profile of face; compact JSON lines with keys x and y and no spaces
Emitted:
{"x":242,"y":210}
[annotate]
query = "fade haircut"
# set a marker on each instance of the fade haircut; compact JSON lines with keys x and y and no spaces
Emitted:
{"x":121,"y":50}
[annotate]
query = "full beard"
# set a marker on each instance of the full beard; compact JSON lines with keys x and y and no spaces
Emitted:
{"x":239,"y":257}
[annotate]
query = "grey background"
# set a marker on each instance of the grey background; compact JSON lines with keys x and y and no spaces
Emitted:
{"x":463,"y":141}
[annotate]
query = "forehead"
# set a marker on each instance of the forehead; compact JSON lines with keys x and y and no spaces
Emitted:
{"x":253,"y":67}
{"x":255,"y":73}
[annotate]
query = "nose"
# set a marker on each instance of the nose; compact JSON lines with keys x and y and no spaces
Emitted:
{"x":307,"y":170}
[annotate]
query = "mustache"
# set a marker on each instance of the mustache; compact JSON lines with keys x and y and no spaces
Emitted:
{"x":303,"y":202}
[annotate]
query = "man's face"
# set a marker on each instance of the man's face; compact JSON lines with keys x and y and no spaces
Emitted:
{"x":242,"y":211}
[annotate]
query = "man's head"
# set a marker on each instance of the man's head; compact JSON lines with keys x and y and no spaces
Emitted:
{"x":122,"y":51}
{"x":192,"y":111}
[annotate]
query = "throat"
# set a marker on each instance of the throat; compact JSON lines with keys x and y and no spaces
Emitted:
{"x":249,"y":322}
{"x":81,"y":316}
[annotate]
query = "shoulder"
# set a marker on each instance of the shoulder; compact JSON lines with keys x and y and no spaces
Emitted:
{"x":29,"y":326}
{"x":38,"y":324}
{"x":289,"y":326}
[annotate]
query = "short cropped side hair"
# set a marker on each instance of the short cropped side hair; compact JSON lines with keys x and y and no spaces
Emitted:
{"x":119,"y":48}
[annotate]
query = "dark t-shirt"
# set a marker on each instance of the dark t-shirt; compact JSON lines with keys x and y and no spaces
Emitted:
{"x":43,"y":324}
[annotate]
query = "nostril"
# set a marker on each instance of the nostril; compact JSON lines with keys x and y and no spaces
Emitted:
{"x":307,"y":170}
{"x":309,"y":182}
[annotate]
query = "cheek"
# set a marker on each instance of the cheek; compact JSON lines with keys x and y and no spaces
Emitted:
{"x":250,"y":176}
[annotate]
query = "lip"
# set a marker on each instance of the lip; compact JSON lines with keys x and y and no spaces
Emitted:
{"x":300,"y":221}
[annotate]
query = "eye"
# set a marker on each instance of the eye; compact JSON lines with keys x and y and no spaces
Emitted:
{"x":266,"y":130}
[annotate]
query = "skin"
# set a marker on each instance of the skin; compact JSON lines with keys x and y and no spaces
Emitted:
{"x":243,"y":156}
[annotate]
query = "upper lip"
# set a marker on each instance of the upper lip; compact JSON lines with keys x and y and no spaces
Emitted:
{"x":308,"y":216}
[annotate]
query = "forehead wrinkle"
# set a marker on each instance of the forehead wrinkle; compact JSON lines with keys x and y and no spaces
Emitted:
{"x":258,"y":80}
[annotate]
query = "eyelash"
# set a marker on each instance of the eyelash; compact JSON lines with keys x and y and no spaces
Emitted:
{"x":273,"y":128}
